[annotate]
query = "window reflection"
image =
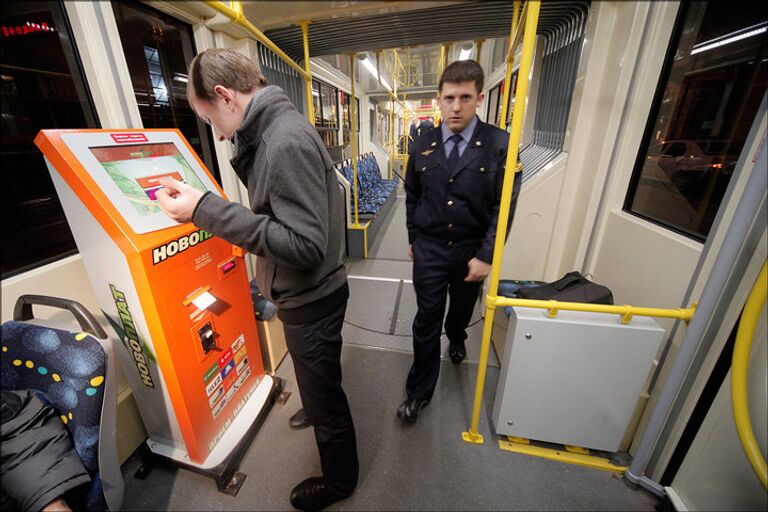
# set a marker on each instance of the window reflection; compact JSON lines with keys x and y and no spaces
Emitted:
{"x":42,"y":87}
{"x":158,"y":50}
{"x":714,"y":82}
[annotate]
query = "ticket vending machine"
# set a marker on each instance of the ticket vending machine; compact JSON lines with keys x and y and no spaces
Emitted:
{"x":177,"y":297}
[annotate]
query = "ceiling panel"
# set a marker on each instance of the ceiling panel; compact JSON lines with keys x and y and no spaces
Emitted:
{"x":457,"y":22}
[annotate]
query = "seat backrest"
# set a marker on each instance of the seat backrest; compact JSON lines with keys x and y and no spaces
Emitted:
{"x":73,"y":373}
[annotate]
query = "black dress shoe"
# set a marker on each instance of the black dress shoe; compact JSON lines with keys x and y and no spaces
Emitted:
{"x":313,"y":494}
{"x":409,"y":410}
{"x":457,"y":353}
{"x":299,"y":420}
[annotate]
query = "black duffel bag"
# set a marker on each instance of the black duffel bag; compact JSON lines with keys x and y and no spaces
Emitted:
{"x":572,"y":287}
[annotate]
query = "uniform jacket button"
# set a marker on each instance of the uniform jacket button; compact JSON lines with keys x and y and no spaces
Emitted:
{"x":450,"y":203}
{"x":450,"y":180}
{"x":450,"y":243}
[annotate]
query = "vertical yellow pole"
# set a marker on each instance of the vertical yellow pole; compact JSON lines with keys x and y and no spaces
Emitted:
{"x":308,"y":78}
{"x":391,"y":132}
{"x":529,"y":38}
{"x":479,"y":46}
{"x":510,"y":64}
{"x":406,"y":124}
{"x":353,"y":114}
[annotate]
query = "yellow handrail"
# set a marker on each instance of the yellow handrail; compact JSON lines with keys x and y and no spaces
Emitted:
{"x":510,"y":65}
{"x":739,"y":367}
{"x":626,"y":312}
{"x":531,"y":21}
{"x":353,"y":135}
{"x":308,"y":77}
{"x":239,"y":18}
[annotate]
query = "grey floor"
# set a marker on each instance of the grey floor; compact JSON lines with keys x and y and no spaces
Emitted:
{"x":425,"y":466}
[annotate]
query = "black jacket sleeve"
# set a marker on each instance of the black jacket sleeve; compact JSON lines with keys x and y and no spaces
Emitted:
{"x":39,"y":463}
{"x":412,"y":187}
{"x":296,"y":234}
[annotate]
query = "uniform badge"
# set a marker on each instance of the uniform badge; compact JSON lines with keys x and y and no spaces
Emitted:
{"x":427,"y":152}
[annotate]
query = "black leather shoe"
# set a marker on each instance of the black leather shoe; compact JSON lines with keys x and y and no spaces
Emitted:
{"x":299,"y":420}
{"x":457,"y":353}
{"x":409,"y":410}
{"x":313,"y":494}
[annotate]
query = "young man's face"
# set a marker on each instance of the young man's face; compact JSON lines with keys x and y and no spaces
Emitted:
{"x":220,"y":112}
{"x":458,"y":102}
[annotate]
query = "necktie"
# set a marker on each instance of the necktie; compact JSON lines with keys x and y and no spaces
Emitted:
{"x":453,"y":158}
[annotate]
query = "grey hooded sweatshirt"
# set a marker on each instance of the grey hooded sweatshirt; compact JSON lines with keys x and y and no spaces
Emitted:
{"x":296,"y":224}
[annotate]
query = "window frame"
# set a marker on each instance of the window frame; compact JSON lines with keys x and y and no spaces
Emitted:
{"x":645,"y":141}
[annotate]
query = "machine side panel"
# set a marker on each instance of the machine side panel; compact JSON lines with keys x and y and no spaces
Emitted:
{"x":116,"y":293}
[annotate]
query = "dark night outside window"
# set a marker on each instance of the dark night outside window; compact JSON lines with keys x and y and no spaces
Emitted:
{"x":710,"y":90}
{"x":42,"y":87}
{"x":158,"y":50}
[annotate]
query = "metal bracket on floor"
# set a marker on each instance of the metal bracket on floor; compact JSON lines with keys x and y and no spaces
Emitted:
{"x":228,"y":478}
{"x":567,"y":454}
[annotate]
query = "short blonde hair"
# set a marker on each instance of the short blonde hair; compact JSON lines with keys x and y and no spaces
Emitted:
{"x":224,"y":67}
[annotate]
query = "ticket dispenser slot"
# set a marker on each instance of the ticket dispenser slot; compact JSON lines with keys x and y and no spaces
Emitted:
{"x":207,"y":337}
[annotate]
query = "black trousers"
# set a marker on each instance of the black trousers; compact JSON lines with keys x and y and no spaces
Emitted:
{"x":438,"y":272}
{"x":315,"y":348}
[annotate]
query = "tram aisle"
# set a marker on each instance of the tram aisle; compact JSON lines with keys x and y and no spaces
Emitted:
{"x":424,"y":466}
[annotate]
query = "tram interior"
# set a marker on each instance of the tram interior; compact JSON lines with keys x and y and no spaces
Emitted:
{"x":638,"y":142}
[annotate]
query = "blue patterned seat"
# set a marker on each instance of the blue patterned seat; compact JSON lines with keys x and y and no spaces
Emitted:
{"x":70,"y":372}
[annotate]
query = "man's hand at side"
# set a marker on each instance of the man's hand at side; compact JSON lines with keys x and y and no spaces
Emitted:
{"x":177,"y":199}
{"x":478,"y":270}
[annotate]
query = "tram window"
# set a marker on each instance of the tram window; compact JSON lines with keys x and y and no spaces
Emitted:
{"x":42,"y":87}
{"x":382,"y":125}
{"x":713,"y":81}
{"x":493,"y":105}
{"x":346,"y":119}
{"x":158,"y":50}
{"x":496,"y":102}
{"x":325,"y":100}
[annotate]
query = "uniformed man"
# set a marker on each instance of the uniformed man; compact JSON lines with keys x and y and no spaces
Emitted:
{"x":453,"y":190}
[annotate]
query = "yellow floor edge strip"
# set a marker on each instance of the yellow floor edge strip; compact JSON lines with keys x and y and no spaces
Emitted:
{"x":589,"y":461}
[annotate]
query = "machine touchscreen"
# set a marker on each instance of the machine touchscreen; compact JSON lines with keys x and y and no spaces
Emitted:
{"x":137,"y":169}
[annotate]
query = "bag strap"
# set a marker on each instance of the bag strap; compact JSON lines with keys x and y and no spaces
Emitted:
{"x":568,"y":279}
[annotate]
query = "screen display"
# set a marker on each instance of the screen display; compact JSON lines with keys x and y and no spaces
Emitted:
{"x":136,"y":170}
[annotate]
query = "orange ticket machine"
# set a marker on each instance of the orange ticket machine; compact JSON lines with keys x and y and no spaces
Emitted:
{"x":176,"y":296}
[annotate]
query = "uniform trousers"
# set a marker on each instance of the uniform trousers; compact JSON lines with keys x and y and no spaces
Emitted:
{"x":315,"y":348}
{"x":439,"y":270}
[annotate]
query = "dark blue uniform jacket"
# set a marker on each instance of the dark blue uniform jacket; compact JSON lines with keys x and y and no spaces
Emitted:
{"x":461,"y":206}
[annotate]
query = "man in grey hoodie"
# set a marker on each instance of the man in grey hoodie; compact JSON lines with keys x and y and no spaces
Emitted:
{"x":296,"y":228}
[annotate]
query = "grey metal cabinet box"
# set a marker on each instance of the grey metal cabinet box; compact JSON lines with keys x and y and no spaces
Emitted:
{"x":574,"y":379}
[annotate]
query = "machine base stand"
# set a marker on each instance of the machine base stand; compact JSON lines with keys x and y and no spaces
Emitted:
{"x":228,"y":478}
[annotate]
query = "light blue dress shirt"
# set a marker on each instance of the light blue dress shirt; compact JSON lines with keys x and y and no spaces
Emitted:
{"x":466,"y":135}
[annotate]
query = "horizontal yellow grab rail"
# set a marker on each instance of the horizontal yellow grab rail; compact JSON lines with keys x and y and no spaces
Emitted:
{"x":240,"y":19}
{"x":739,"y":367}
{"x":626,"y":312}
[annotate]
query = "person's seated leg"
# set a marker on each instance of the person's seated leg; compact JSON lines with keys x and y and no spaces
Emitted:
{"x":39,"y":463}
